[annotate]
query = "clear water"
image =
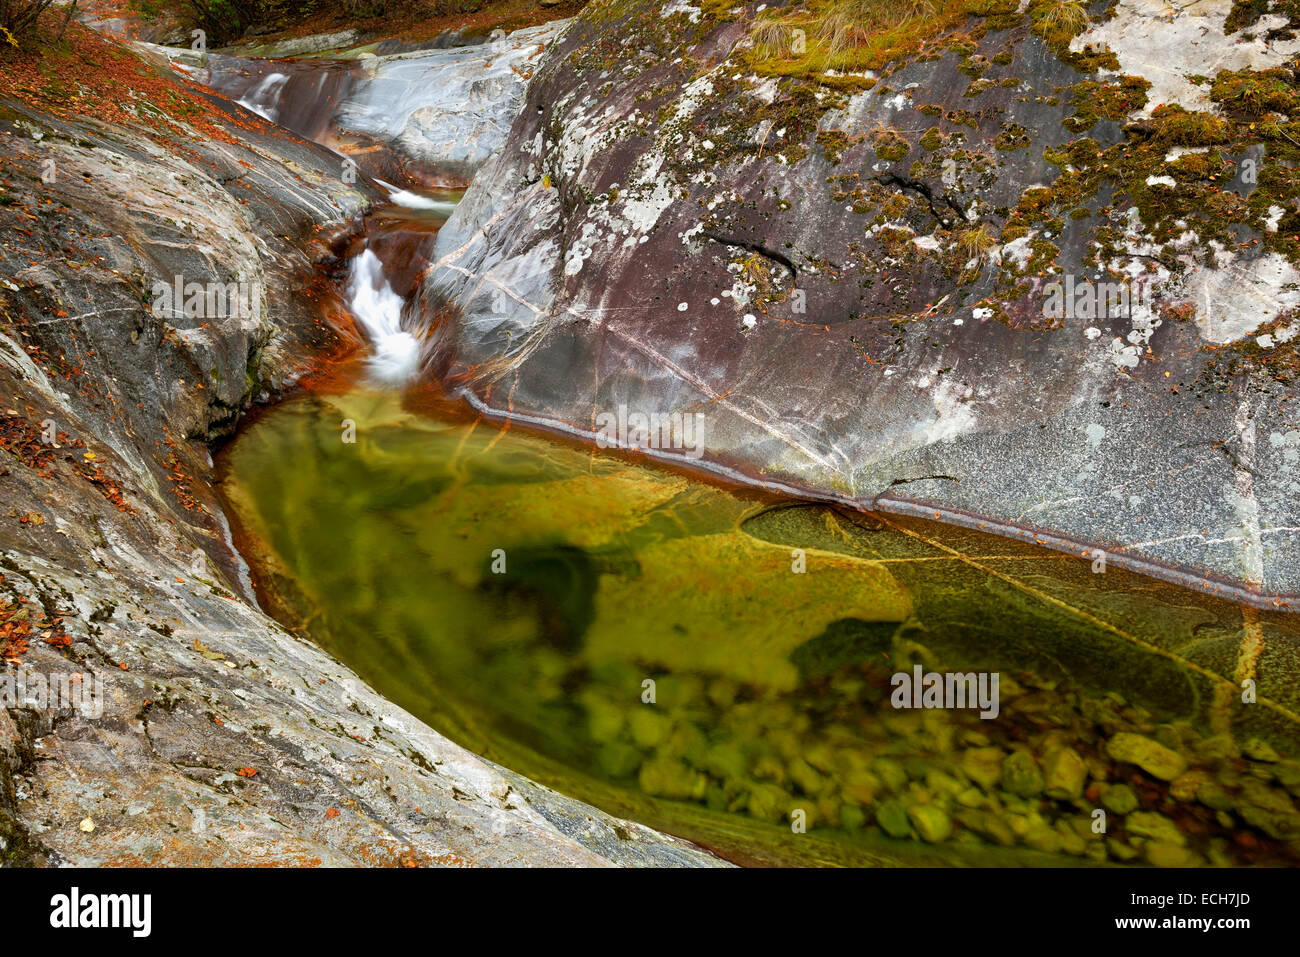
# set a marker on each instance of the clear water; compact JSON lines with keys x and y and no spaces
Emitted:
{"x":648,"y":642}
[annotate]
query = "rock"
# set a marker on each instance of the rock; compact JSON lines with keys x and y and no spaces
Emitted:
{"x":298,"y":46}
{"x":667,"y":778}
{"x":1213,"y":795}
{"x":1257,"y":749}
{"x":943,"y":784}
{"x":1151,"y":756}
{"x":1171,"y":855}
{"x":1021,"y":775}
{"x":1064,"y":773}
{"x":1186,"y":786}
{"x":1269,"y":809}
{"x":1154,"y":827}
{"x":893,"y":819}
{"x":605,"y":720}
{"x":1288,"y":775}
{"x":768,"y":802}
{"x":931,"y":822}
{"x":805,"y":778}
{"x":852,"y":818}
{"x":602,"y":208}
{"x":649,"y":727}
{"x":228,"y":737}
{"x":983,"y":766}
{"x":1119,"y":799}
{"x":990,"y":825}
{"x":1119,"y":850}
{"x":890,"y":772}
{"x":617,"y":759}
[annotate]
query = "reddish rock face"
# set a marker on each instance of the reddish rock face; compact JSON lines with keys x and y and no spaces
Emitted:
{"x":962,"y":287}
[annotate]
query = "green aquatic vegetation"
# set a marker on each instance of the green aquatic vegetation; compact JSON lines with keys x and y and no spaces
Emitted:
{"x":713,"y":662}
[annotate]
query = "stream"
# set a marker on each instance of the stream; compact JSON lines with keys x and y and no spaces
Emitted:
{"x":727,"y":665}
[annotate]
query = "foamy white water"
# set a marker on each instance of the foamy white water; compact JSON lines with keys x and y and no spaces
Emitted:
{"x":395,"y":352}
{"x":404,"y":197}
{"x":264,"y":100}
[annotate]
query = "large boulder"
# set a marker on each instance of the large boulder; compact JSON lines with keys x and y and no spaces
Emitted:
{"x":1015,"y":268}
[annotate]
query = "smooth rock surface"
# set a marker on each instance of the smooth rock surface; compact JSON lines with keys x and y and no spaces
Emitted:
{"x":223,"y":739}
{"x":444,"y":111}
{"x":666,"y":230}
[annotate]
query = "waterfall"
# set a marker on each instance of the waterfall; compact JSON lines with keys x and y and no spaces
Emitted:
{"x":404,"y":197}
{"x":395,"y":353}
{"x":265,"y":98}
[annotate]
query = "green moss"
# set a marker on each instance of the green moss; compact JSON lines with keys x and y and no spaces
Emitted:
{"x":890,"y":145}
{"x":1094,"y":100}
{"x":1176,"y":126}
{"x":1250,"y":95}
{"x":1012,"y":137}
{"x":833,"y":144}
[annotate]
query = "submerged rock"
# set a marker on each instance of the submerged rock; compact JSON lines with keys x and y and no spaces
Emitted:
{"x":1151,"y":756}
{"x":931,"y":822}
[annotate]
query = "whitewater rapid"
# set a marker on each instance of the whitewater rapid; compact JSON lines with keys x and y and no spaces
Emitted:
{"x":396,"y":354}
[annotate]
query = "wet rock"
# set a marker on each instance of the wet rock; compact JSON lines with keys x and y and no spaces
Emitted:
{"x":893,"y":819}
{"x":1288,"y":775}
{"x":1064,"y":773}
{"x":768,"y":802}
{"x":665,"y":777}
{"x":983,"y":766}
{"x":931,"y":822}
{"x":604,"y":216}
{"x":1119,"y":799}
{"x":1155,"y":827}
{"x":1269,"y":809}
{"x":805,"y":778}
{"x":1171,"y":855}
{"x":1257,"y":749}
{"x":1187,"y":786}
{"x":1151,"y":756}
{"x":1214,"y":795}
{"x":890,"y":772}
{"x":649,"y":727}
{"x":1021,"y":775}
{"x":990,"y":825}
{"x":852,"y":818}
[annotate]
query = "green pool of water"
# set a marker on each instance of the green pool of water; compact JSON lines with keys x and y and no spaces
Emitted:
{"x":721,"y":665}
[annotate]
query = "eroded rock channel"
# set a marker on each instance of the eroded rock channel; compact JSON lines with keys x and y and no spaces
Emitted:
{"x":466,"y":257}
